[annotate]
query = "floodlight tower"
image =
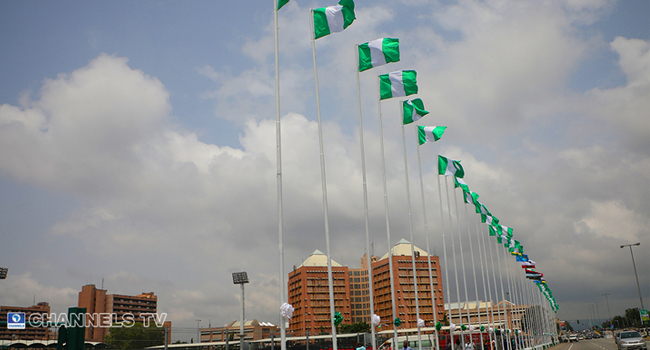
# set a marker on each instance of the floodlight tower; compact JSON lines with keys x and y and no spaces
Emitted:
{"x":3,"y":272}
{"x":241,"y":278}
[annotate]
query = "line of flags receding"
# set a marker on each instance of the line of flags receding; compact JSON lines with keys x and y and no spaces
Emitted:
{"x":332,"y":19}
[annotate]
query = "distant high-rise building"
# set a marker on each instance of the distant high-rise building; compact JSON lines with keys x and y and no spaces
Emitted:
{"x":96,"y":301}
{"x":29,"y":333}
{"x":309,"y":293}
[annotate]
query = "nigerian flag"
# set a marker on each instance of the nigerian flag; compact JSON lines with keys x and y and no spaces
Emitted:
{"x":470,"y":197}
{"x":462,"y":184}
{"x":430,"y":133}
{"x":413,"y":110}
{"x":377,"y":53}
{"x":398,"y":84}
{"x":282,"y":3}
{"x":332,"y":19}
{"x":505,"y":230}
{"x":449,"y":167}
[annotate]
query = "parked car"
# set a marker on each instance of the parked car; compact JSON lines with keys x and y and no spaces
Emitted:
{"x":630,"y":340}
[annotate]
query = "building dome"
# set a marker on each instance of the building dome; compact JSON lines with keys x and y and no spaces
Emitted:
{"x":317,"y":258}
{"x":403,"y":247}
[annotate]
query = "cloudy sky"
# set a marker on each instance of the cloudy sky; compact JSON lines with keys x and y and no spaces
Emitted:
{"x":137,"y":144}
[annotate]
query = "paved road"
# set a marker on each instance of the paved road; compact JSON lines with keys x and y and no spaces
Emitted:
{"x":591,"y":344}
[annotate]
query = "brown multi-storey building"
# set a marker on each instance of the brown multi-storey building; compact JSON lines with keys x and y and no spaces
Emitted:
{"x":309,"y":295}
{"x":404,"y":286}
{"x":29,"y":333}
{"x":308,"y":291}
{"x":120,"y":307}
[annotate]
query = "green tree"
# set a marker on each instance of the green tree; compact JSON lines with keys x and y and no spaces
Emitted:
{"x":633,"y":317}
{"x":359,"y":327}
{"x":136,"y":337}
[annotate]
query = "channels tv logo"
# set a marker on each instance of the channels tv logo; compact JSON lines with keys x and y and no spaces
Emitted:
{"x":16,"y":320}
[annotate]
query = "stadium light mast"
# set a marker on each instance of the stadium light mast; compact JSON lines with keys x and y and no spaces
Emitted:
{"x":241,"y":278}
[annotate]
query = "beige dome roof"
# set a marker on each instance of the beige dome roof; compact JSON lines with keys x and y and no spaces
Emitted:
{"x":317,"y":258}
{"x":403,"y":247}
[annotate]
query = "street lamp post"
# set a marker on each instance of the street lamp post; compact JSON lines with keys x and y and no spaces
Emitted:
{"x":608,"y":313}
{"x":634,"y":265}
{"x":241,"y":278}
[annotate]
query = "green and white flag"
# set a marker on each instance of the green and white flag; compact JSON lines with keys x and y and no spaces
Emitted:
{"x":413,"y":110}
{"x":282,"y":3}
{"x":332,"y":19}
{"x":398,"y":84}
{"x":505,"y":230}
{"x":470,"y":197}
{"x":462,"y":184}
{"x":450,"y":167}
{"x":377,"y":53}
{"x":486,"y":216}
{"x":430,"y":133}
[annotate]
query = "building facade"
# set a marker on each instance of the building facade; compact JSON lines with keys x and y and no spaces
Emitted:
{"x":253,"y":330}
{"x":309,"y":294}
{"x":505,"y":314}
{"x":29,"y":333}
{"x":97,"y":301}
{"x":403,"y":284}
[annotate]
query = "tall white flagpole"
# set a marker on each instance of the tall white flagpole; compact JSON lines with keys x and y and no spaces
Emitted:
{"x":444,"y":250}
{"x":415,"y":272}
{"x":365,"y":207}
{"x":426,"y":235}
{"x":390,"y":246}
{"x":486,"y":285}
{"x":503,"y":297}
{"x":453,"y":249}
{"x":283,"y":294}
{"x":486,"y":274}
{"x":496,"y":289}
{"x":324,"y":185}
{"x":462,"y":261}
{"x":478,"y":304}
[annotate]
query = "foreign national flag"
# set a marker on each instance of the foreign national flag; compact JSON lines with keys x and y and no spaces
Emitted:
{"x":534,"y":275}
{"x":413,"y":110}
{"x":332,"y":19}
{"x":527,"y":264}
{"x":282,"y":3}
{"x":378,"y":52}
{"x":398,"y":84}
{"x":450,"y":167}
{"x":430,"y":133}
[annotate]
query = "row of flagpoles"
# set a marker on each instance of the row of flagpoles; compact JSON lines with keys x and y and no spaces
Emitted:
{"x":325,"y":21}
